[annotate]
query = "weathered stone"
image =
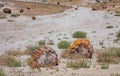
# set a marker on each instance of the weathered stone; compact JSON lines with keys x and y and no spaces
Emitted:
{"x":7,"y":10}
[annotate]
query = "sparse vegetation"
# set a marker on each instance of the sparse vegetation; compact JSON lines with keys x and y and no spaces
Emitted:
{"x":94,"y":31}
{"x":2,"y":17}
{"x":109,"y":27}
{"x":50,"y":32}
{"x":41,"y":42}
{"x":115,"y":74}
{"x":118,"y":35}
{"x":111,"y":56}
{"x":50,"y":42}
{"x":14,"y":53}
{"x":66,"y":54}
{"x":29,"y":62}
{"x":104,"y":65}
{"x":78,"y":64}
{"x":117,"y":13}
{"x":15,"y":63}
{"x":79,"y":34}
{"x":7,"y":60}
{"x":33,"y":48}
{"x":63,"y":45}
{"x":44,"y":0}
{"x":59,"y":39}
{"x":14,"y":15}
{"x":101,"y":43}
{"x":2,"y":73}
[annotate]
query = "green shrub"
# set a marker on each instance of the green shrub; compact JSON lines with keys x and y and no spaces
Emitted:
{"x":109,"y":27}
{"x":63,"y":45}
{"x":104,"y":65}
{"x":79,"y":34}
{"x":15,"y":63}
{"x":78,"y":64}
{"x":41,"y":42}
{"x":101,"y":43}
{"x":118,"y":36}
{"x":117,"y":13}
{"x":15,"y":15}
{"x":2,"y":73}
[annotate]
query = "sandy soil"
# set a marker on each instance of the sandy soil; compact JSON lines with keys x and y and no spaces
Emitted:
{"x":34,"y":8}
{"x":22,"y":31}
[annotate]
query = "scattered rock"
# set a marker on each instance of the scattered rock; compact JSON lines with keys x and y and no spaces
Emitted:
{"x":58,"y":3}
{"x":7,"y":10}
{"x":76,"y":8}
{"x":94,"y":9}
{"x":28,"y":8}
{"x":21,"y":11}
{"x":33,"y":18}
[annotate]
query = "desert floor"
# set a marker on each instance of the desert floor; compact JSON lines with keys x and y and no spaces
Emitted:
{"x":20,"y":32}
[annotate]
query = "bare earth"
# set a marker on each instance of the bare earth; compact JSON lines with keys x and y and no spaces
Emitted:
{"x":22,"y":31}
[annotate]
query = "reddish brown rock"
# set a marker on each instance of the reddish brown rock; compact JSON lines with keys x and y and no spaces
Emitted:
{"x":7,"y":10}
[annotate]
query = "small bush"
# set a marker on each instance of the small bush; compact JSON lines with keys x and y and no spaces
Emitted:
{"x":117,"y":13}
{"x":109,"y":27}
{"x":50,"y":42}
{"x":2,"y":73}
{"x":79,"y":34}
{"x":118,"y":36}
{"x":41,"y":42}
{"x":15,"y":15}
{"x":104,"y":65}
{"x":2,"y":17}
{"x":15,"y":63}
{"x":63,"y":45}
{"x":78,"y":64}
{"x":101,"y":43}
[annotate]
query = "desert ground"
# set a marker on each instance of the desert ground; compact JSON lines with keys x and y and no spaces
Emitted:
{"x":56,"y":23}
